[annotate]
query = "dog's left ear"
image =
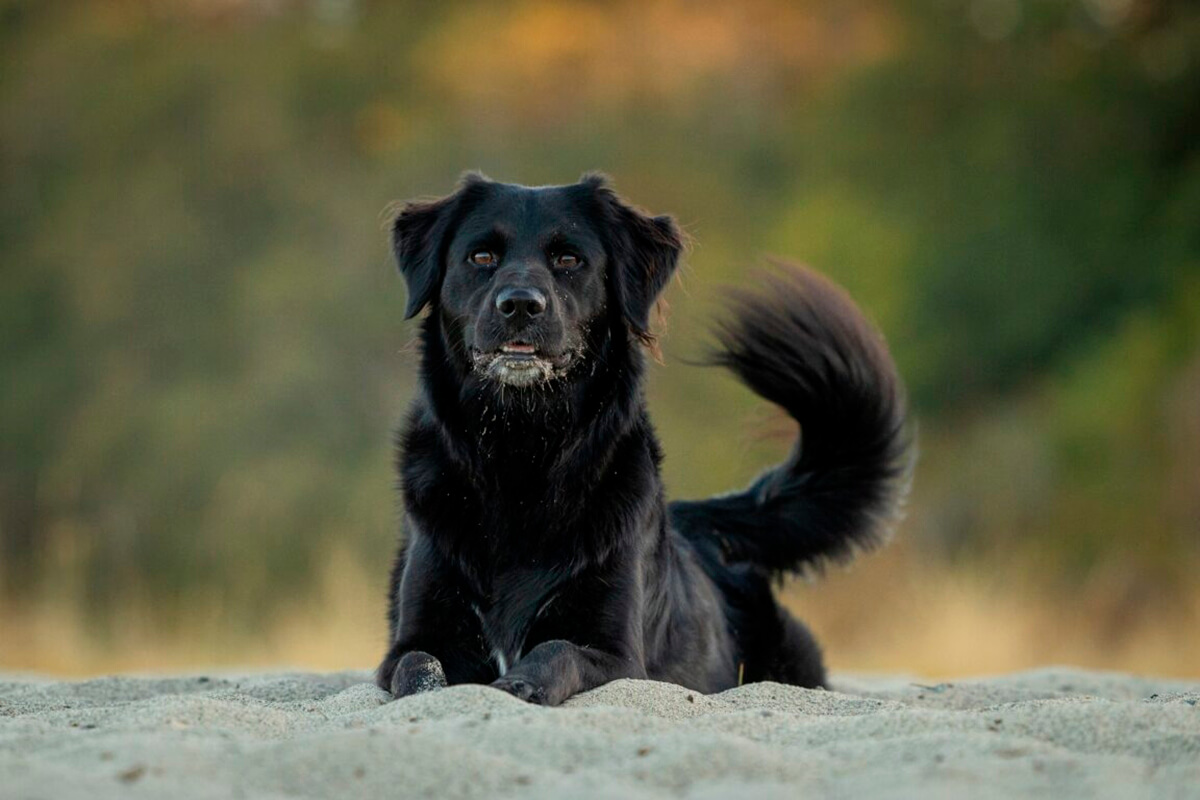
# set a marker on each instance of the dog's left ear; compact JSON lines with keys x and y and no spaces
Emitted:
{"x":645,"y":250}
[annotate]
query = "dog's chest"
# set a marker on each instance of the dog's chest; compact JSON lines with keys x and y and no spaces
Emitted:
{"x":507,"y":614}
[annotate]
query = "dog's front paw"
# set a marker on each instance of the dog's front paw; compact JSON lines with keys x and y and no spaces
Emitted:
{"x":417,"y":672}
{"x":521,"y":688}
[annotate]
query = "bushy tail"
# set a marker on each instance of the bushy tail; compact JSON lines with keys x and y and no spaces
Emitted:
{"x":803,"y":344}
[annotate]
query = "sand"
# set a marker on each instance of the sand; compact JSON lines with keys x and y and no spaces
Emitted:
{"x":1053,"y":733}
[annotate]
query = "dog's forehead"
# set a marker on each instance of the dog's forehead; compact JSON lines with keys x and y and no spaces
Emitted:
{"x":523,"y":211}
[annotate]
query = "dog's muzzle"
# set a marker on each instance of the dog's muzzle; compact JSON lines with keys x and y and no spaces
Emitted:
{"x":520,"y":364}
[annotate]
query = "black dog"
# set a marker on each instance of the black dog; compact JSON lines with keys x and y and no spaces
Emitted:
{"x":540,"y":555}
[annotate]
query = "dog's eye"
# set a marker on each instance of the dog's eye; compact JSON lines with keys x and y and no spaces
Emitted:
{"x":567,"y":260}
{"x":483,"y":258}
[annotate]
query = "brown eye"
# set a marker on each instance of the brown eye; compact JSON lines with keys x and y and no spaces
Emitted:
{"x":483,"y":258}
{"x":567,"y":261}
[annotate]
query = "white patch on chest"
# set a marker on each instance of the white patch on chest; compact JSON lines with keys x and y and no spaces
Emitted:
{"x":497,"y":654}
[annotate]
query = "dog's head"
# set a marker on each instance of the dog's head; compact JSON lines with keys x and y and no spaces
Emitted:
{"x":520,"y":277}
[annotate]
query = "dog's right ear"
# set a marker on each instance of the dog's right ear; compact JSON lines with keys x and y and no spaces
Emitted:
{"x":419,"y":238}
{"x":417,"y":235}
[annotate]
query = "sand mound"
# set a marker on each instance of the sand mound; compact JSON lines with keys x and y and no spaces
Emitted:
{"x":1055,"y":733}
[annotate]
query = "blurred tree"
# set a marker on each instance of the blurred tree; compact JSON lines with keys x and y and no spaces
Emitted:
{"x":200,"y":345}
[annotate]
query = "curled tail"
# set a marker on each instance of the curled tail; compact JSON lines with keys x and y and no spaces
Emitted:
{"x":803,"y":344}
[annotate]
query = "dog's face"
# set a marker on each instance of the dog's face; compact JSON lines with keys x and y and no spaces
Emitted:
{"x":520,"y":276}
{"x":523,"y":280}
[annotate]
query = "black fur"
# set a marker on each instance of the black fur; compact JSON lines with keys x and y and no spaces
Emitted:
{"x":540,"y":555}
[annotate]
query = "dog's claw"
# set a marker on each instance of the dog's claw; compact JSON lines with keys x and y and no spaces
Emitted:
{"x":521,"y":689}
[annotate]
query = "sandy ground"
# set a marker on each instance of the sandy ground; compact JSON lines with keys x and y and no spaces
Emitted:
{"x":1050,"y":733}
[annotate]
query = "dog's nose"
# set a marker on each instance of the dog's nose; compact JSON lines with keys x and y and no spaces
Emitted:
{"x":520,"y":301}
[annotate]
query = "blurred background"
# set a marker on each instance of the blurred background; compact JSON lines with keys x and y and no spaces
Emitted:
{"x":202,"y":358}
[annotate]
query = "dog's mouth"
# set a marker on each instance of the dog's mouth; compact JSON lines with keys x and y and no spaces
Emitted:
{"x":520,"y":363}
{"x":518,"y":351}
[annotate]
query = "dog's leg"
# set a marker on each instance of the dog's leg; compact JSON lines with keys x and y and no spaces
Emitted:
{"x":558,"y":669}
{"x":405,"y":671}
{"x":414,"y":672}
{"x":422,"y":664}
{"x":436,"y":637}
{"x":602,"y":610}
{"x":799,"y":662}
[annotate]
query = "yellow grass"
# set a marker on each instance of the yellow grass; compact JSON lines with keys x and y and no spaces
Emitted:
{"x":890,"y":613}
{"x":887,"y":613}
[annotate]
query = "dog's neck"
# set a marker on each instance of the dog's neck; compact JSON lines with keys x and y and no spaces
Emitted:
{"x":538,"y":484}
